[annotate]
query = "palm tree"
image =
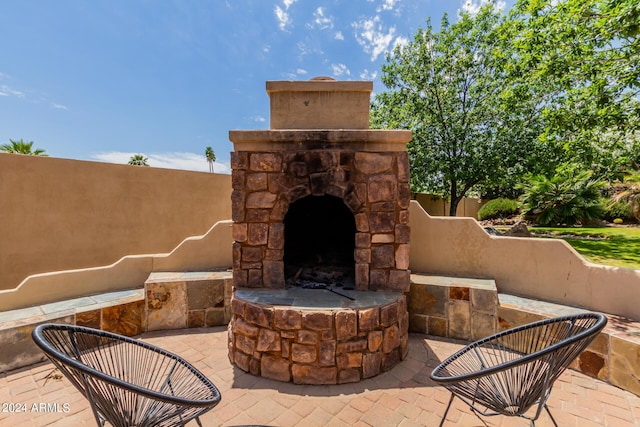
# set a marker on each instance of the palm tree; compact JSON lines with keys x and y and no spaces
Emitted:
{"x":138,"y":160}
{"x":629,"y":192}
{"x":211,"y":157}
{"x":21,"y":147}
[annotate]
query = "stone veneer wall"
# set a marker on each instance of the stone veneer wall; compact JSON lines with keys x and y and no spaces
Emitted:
{"x":317,"y":346}
{"x":374,"y":185}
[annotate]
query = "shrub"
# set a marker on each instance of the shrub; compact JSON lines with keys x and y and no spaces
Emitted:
{"x":622,"y":210}
{"x":618,"y":221}
{"x":569,"y":197}
{"x":499,"y":208}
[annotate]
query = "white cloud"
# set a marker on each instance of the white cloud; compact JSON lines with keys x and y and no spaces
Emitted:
{"x":320,"y":20}
{"x":339,"y":35}
{"x":389,"y":5}
{"x":258,"y":119}
{"x":368,"y":75}
{"x":288,"y":3}
{"x":373,"y":37}
{"x":340,"y":69}
{"x":184,"y":161}
{"x":283,"y":18}
{"x":7,"y":91}
{"x":301,"y":71}
{"x":472,"y":7}
{"x":59,"y":106}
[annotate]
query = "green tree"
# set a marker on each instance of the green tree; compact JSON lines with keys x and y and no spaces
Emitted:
{"x":570,"y":197}
{"x":21,"y":147}
{"x":584,"y":57}
{"x":138,"y":160}
{"x":471,"y":125}
{"x":211,"y":157}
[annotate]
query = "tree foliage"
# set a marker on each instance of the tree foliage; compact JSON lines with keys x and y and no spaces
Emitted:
{"x":211,"y":157}
{"x":21,"y":147}
{"x":584,"y":55}
{"x":471,"y":126}
{"x":138,"y":160}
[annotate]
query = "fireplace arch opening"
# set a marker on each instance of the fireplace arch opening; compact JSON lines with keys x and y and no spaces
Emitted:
{"x":319,"y":243}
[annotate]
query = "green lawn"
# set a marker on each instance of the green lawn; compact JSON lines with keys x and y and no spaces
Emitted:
{"x":615,"y":246}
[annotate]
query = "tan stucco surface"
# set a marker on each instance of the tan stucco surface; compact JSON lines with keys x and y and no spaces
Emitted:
{"x":549,"y":270}
{"x":60,"y":214}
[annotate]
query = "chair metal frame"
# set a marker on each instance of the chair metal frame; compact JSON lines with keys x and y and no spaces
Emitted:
{"x":509,"y":372}
{"x":127,"y":382}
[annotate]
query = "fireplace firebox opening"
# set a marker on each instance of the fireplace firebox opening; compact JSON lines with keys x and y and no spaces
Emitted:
{"x":319,"y":243}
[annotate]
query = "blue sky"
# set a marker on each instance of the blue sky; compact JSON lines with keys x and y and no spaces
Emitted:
{"x":102,"y":80}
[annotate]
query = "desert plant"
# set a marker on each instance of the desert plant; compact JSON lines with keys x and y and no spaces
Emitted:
{"x":570,"y":197}
{"x":630,"y":193}
{"x":621,"y":210}
{"x":499,"y":208}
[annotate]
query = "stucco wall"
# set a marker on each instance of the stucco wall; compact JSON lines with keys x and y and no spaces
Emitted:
{"x":437,"y":206}
{"x":546,"y":269}
{"x":60,"y":214}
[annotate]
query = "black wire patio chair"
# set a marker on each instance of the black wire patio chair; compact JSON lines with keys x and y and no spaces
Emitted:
{"x":509,"y":372}
{"x":127,"y":382}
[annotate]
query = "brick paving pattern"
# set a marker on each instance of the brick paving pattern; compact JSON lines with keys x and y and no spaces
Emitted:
{"x":403,"y":396}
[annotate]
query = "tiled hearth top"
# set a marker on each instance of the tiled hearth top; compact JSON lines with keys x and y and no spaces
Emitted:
{"x":301,"y":298}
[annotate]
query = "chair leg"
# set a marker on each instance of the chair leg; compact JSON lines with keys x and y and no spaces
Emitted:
{"x":550,"y":416}
{"x":447,"y":410}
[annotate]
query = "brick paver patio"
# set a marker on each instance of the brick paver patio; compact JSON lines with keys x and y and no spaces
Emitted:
{"x":403,"y":396}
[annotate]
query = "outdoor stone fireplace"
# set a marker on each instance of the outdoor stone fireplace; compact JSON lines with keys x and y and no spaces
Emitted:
{"x":321,"y":238}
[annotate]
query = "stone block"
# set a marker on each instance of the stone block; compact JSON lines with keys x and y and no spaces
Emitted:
{"x":363,"y":240}
{"x":327,"y":353}
{"x":374,"y":341}
{"x":251,"y":254}
{"x":402,"y":256}
{"x":273,"y":274}
{"x":238,"y":205}
{"x":306,"y":374}
{"x":258,"y":315}
{"x":482,"y":325}
{"x":275,"y":368}
{"x":245,"y":344}
{"x":484,"y":300}
{"x":389,"y":360}
{"x":459,"y":320}
{"x":287,"y":319}
{"x":256,"y":181}
{"x":371,"y":364}
{"x":437,"y":326}
{"x":362,"y":277}
{"x":362,"y":222}
{"x":459,"y":293}
{"x":624,"y":364}
{"x":268,"y":340}
{"x":239,"y":232}
{"x":402,"y":233}
{"x":195,"y":319}
{"x":389,"y":314}
{"x":348,"y":376}
{"x":418,"y":323}
{"x":307,"y":337}
{"x":369,"y":319}
{"x":265,"y":162}
{"x":390,"y":339}
{"x":239,"y":160}
{"x":378,"y":279}
{"x":349,"y":360}
{"x":166,"y":307}
{"x":317,"y":320}
{"x":215,"y":317}
{"x":203,"y":294}
{"x":303,"y":353}
{"x":382,"y":188}
{"x":362,"y":256}
{"x":260,"y":199}
{"x":510,"y":318}
{"x":382,"y":238}
{"x":399,"y":280}
{"x":238,"y":180}
{"x":255,"y":278}
{"x":89,"y":319}
{"x":242,"y":360}
{"x":592,"y":364}
{"x":237,"y":306}
{"x":276,"y":236}
{"x":257,"y":215}
{"x":346,"y":325}
{"x":318,"y":183}
{"x":382,"y":222}
{"x":372,"y":163}
{"x":428,"y":300}
{"x":351,"y":346}
{"x":258,"y":234}
{"x":382,"y":256}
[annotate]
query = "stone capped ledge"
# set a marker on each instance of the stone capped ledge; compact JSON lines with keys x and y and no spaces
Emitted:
{"x":613,"y":356}
{"x":317,"y":346}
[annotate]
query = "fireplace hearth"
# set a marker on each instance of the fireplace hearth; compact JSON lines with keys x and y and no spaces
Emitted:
{"x":321,"y":238}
